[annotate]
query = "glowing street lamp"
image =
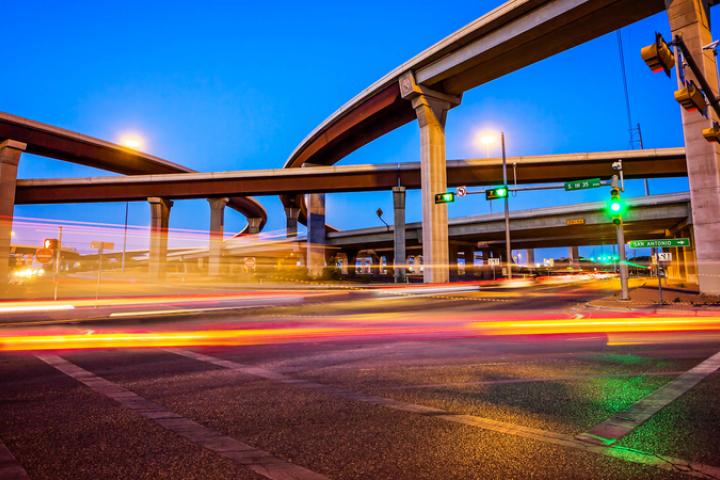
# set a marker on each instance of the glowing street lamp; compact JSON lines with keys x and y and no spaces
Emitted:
{"x":132,"y":140}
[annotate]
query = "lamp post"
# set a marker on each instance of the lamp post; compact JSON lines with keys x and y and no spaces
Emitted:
{"x":508,"y":247}
{"x":486,"y":139}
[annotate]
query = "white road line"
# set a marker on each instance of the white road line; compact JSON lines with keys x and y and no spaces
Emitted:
{"x":178,"y":311}
{"x":10,"y":469}
{"x":561,"y":439}
{"x":257,"y":460}
{"x":621,"y":424}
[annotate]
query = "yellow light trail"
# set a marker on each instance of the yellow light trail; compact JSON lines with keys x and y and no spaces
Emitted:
{"x":606,"y":325}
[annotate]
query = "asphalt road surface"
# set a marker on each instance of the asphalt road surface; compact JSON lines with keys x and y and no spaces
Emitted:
{"x":366,"y":385}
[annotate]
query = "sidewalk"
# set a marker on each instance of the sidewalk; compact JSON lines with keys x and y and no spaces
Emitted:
{"x":644,"y":297}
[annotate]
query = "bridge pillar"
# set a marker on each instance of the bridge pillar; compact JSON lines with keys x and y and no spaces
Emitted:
{"x":291,"y":215}
{"x":10,"y":153}
{"x":530,"y":257}
{"x":399,"y":235}
{"x":217,"y":229}
{"x":159,"y":222}
{"x":316,"y":234}
{"x":431,"y":110}
{"x":254,"y":225}
{"x":690,"y":19}
{"x":573,"y":255}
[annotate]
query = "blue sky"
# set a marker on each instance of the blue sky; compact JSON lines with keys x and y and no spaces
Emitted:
{"x":223,"y":85}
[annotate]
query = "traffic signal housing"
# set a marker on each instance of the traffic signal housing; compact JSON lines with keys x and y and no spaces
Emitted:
{"x":497,"y":192}
{"x":712,"y":134}
{"x":691,"y":97}
{"x":51,"y":243}
{"x":616,"y":207}
{"x":445,"y":197}
{"x":658,"y":56}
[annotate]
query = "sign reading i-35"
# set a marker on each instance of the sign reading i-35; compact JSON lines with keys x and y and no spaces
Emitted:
{"x":583,"y":184}
{"x":660,"y":242}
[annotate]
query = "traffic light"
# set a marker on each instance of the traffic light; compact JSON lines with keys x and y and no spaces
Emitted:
{"x":497,"y":192}
{"x":616,"y":207}
{"x":691,"y":97}
{"x":658,"y":56}
{"x":446,"y":197}
{"x":712,"y":134}
{"x":51,"y":243}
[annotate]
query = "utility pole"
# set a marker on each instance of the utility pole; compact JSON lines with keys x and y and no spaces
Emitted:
{"x":508,"y":247}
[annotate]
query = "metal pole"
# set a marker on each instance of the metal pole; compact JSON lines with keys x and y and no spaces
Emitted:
{"x":624,"y":294}
{"x":97,"y":285}
{"x":122,"y":264}
{"x":508,"y":247}
{"x":659,"y":277}
{"x":58,"y":256}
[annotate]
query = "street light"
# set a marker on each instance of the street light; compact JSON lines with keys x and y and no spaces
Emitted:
{"x":136,"y":142}
{"x":132,"y":140}
{"x":489,"y":138}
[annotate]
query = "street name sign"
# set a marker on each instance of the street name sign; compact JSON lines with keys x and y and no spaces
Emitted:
{"x":583,"y":184}
{"x":660,"y":242}
{"x":493,"y":261}
{"x":575,"y":221}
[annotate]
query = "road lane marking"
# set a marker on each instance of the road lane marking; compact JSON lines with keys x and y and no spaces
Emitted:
{"x":561,"y":439}
{"x":257,"y":460}
{"x":10,"y":469}
{"x":180,"y":311}
{"x":621,"y":424}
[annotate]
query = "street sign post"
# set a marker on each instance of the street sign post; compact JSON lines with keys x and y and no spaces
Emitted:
{"x":583,"y":184}
{"x":659,"y":243}
{"x":100,"y":247}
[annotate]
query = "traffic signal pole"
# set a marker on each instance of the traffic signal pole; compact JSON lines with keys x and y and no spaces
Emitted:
{"x":620,"y":234}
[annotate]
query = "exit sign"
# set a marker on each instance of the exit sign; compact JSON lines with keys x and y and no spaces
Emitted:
{"x":660,"y":242}
{"x":583,"y":184}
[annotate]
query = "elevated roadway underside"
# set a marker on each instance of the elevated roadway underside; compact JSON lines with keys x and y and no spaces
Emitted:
{"x":53,"y":142}
{"x":574,"y":225}
{"x":668,"y":162}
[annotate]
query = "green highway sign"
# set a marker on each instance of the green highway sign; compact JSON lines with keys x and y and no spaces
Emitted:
{"x":660,"y":242}
{"x":446,"y":197}
{"x":583,"y":184}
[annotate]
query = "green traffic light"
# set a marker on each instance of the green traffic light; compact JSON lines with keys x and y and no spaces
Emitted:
{"x":501,"y":192}
{"x":615,"y":206}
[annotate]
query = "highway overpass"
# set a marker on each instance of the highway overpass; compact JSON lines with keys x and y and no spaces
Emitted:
{"x":514,"y":35}
{"x":665,"y":162}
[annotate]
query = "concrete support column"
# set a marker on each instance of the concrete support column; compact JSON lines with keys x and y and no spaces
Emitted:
{"x":254,"y":225}
{"x":399,"y":268}
{"x":10,"y":153}
{"x":530,"y":257}
{"x":573,"y":255}
{"x":291,"y":215}
{"x":159,"y":222}
{"x":431,"y":109}
{"x":316,"y":234}
{"x":217,"y":229}
{"x":690,"y":20}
